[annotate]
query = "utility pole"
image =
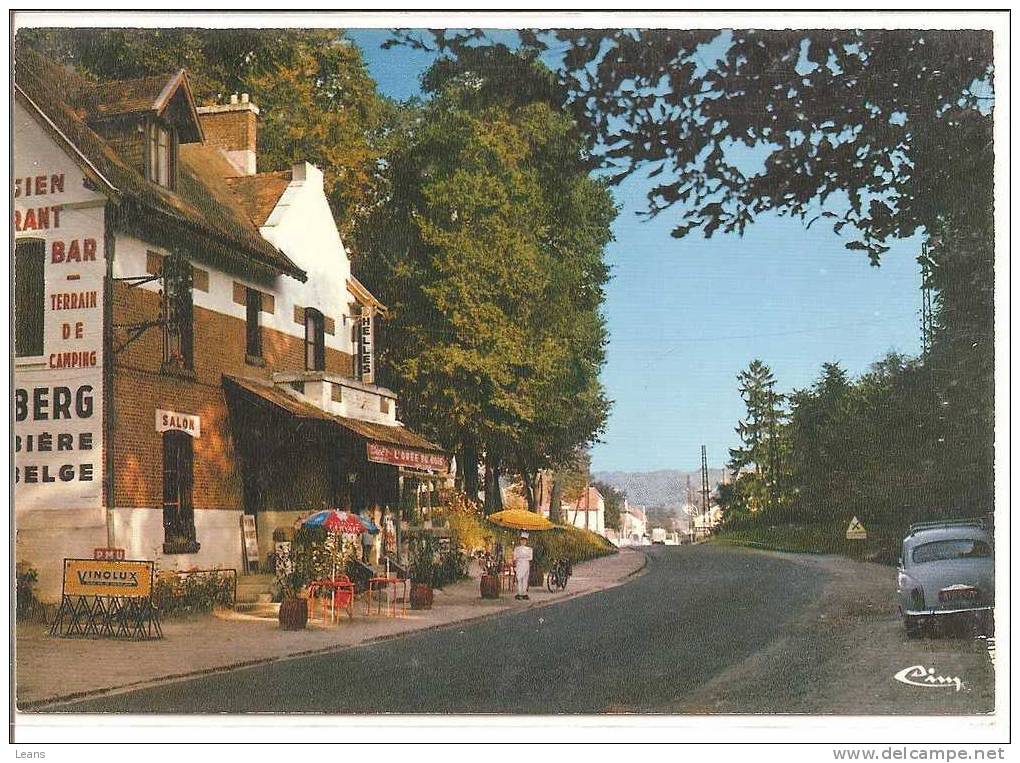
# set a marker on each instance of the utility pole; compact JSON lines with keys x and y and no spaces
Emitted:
{"x":773,"y":455}
{"x":928,"y":324}
{"x":704,"y":487}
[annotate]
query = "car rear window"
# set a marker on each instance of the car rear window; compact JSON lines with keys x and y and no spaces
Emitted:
{"x":959,"y":548}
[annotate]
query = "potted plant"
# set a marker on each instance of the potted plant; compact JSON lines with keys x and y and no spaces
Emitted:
{"x":292,"y":576}
{"x":423,"y":570}
{"x":490,"y":583}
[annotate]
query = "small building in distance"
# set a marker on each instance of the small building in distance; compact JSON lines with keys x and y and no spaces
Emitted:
{"x":633,"y":524}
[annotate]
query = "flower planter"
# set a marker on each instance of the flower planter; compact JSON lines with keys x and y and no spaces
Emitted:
{"x":293,"y":614}
{"x":490,"y":586}
{"x":421,"y":596}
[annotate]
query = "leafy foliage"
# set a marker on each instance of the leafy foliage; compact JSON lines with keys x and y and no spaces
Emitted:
{"x":489,"y":256}
{"x":192,"y":593}
{"x":26,"y":602}
{"x":880,"y":447}
{"x":882,"y":133}
{"x":614,"y":503}
{"x":875,"y":129}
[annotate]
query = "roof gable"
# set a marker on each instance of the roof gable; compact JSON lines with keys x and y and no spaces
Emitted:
{"x":166,"y":96}
{"x":259,"y":194}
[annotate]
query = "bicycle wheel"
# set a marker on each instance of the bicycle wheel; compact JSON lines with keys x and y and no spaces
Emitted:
{"x":550,"y":580}
{"x":564,"y":577}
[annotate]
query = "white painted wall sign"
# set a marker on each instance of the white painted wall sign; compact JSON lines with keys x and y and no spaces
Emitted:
{"x":58,"y":395}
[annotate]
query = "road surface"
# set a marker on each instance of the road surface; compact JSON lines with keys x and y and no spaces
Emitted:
{"x":656,"y":644}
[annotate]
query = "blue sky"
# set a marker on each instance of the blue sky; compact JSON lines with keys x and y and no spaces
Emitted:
{"x":685,"y":316}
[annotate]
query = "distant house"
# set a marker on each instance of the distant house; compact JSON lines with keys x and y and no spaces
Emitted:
{"x":633,"y":524}
{"x":587,"y":512}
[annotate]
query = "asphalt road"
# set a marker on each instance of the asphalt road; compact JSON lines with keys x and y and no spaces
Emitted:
{"x":640,"y":647}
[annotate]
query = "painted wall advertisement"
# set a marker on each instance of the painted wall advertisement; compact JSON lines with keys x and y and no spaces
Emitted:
{"x":58,"y":393}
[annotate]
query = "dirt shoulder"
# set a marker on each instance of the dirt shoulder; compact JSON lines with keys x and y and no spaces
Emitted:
{"x":840,"y":656}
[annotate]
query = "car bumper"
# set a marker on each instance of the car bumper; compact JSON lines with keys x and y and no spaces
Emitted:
{"x":938,"y":612}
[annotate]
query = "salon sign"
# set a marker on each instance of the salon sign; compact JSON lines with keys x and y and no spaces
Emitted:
{"x":182,"y":422}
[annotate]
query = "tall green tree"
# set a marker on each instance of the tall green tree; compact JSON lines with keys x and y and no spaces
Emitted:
{"x":489,"y":255}
{"x":614,"y":500}
{"x":820,"y":437}
{"x":763,"y":446}
{"x":316,"y":98}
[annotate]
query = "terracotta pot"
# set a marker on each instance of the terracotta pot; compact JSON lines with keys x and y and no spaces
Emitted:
{"x":293,"y":614}
{"x":490,"y":586}
{"x":421,"y":596}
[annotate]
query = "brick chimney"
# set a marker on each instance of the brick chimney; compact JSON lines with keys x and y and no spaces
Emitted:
{"x":232,"y":128}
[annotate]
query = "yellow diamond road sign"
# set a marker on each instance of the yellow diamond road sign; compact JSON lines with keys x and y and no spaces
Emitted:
{"x":855,"y":530}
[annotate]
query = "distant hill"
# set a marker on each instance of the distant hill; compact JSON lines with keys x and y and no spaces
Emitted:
{"x":665,"y":488}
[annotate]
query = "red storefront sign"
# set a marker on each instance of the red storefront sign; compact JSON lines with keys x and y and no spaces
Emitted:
{"x":108,"y":554}
{"x":407,"y":457}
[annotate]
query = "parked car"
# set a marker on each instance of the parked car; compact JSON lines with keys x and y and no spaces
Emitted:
{"x":946,"y":572}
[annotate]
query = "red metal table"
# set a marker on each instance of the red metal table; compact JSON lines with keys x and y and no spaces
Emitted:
{"x":342,"y":595}
{"x":377,"y":585}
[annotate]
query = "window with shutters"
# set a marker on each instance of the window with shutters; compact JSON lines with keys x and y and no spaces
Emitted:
{"x":29,"y":297}
{"x":315,"y":340}
{"x":178,"y":479}
{"x":178,"y":315}
{"x":253,"y":332}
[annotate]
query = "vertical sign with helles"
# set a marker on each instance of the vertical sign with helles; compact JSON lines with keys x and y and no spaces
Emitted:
{"x":366,"y":361}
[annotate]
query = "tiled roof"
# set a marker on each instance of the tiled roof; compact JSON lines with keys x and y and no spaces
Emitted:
{"x":589,"y":502}
{"x":129,"y":96}
{"x":201,"y":203}
{"x":391,"y":435}
{"x":259,"y":194}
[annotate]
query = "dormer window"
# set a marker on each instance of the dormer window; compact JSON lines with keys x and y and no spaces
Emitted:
{"x":161,"y":154}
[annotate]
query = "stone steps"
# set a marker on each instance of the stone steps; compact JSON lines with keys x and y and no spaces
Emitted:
{"x":261,"y":609}
{"x":254,"y":589}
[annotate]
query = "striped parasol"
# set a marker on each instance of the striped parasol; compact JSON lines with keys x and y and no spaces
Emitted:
{"x":335,"y":521}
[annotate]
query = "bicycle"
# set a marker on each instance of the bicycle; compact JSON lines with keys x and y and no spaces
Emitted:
{"x":558,"y":575}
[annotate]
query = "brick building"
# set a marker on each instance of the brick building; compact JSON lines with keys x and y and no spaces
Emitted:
{"x":190,"y":343}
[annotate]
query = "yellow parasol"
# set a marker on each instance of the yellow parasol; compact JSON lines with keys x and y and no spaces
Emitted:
{"x":521,"y":519}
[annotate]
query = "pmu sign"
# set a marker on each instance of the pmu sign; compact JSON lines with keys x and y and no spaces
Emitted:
{"x":100,"y":577}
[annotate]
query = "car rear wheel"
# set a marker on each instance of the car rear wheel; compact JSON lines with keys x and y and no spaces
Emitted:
{"x":913,"y":626}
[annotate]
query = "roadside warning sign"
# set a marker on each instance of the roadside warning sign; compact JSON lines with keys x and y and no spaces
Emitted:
{"x":855,"y":530}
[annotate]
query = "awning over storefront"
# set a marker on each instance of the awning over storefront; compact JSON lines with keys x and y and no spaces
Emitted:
{"x":394,"y":445}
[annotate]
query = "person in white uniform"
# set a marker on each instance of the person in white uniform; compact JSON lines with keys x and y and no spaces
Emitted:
{"x":522,"y":566}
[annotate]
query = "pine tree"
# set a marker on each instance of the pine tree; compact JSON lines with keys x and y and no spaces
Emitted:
{"x":763,"y":446}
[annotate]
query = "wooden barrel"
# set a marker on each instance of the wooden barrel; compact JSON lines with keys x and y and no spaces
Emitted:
{"x":293,"y":614}
{"x":421,"y":596}
{"x":490,"y":586}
